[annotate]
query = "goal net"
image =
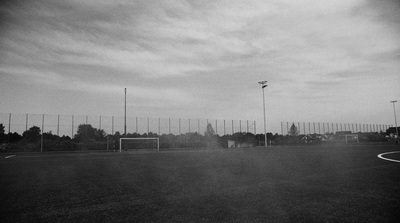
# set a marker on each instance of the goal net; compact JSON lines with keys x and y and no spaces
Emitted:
{"x":348,"y":138}
{"x":352,"y":138}
{"x":139,"y":144}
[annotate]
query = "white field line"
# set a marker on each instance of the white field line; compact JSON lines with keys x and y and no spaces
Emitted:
{"x":9,"y":156}
{"x":382,"y":154}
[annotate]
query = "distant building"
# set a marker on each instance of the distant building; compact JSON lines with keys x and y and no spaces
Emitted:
{"x":307,"y":139}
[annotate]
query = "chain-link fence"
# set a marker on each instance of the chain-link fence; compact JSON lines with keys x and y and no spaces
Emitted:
{"x":323,"y":127}
{"x":67,"y":125}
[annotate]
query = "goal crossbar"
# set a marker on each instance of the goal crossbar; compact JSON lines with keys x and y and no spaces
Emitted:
{"x":120,"y":142}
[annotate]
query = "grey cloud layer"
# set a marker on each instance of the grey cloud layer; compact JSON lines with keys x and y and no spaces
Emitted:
{"x":306,"y":47}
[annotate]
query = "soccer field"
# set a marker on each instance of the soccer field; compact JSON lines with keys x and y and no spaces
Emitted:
{"x":278,"y":184}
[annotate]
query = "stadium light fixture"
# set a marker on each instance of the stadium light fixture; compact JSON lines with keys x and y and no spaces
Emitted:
{"x":395,"y":119}
{"x":264,"y":85}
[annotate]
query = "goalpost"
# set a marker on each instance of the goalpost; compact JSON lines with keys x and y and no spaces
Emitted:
{"x":351,"y":138}
{"x":154,"y":143}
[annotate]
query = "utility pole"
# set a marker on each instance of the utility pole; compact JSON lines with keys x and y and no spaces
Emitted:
{"x":125,"y":115}
{"x":264,"y":85}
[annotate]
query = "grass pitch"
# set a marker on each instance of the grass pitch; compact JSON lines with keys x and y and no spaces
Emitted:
{"x":281,"y":184}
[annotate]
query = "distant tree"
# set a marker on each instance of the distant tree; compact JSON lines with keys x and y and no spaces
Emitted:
{"x":100,"y":134}
{"x":50,"y":136}
{"x":85,"y":132}
{"x":209,"y":130}
{"x":13,"y":137}
{"x":32,"y":134}
{"x":210,"y":137}
{"x":293,"y":130}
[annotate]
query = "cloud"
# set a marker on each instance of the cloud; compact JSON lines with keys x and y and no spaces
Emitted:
{"x":206,"y":54}
{"x":60,"y":82}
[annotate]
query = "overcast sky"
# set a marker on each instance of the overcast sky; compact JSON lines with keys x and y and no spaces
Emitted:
{"x":325,"y":61}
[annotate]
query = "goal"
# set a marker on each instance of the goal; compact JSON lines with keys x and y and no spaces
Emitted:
{"x":352,"y":138}
{"x":348,"y":138}
{"x":139,"y":143}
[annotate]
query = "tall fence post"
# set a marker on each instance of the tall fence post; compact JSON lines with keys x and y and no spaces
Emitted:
{"x":298,"y":127}
{"x":319,"y":128}
{"x":41,"y":141}
{"x":112,"y":125}
{"x":287,"y":128}
{"x":232,"y":127}
{"x":72,"y":129}
{"x":26,"y":122}
{"x":9,"y":123}
{"x":58,"y":125}
{"x":137,"y":120}
{"x":86,"y":128}
{"x":224,"y":128}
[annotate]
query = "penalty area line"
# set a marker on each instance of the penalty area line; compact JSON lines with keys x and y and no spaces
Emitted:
{"x":384,"y":158}
{"x":9,"y":156}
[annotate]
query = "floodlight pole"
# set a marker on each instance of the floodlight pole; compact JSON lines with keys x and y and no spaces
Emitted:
{"x":395,"y":119}
{"x":263,"y":84}
{"x":125,"y":115}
